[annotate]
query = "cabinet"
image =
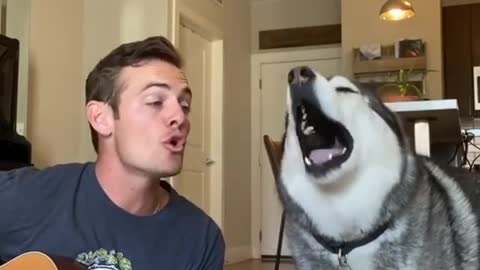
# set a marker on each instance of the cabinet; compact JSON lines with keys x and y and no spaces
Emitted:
{"x":461,"y":52}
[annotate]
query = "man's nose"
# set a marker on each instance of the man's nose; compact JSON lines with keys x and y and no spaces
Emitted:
{"x":176,"y":116}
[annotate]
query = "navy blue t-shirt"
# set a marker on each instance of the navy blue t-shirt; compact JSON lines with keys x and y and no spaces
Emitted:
{"x":63,"y":211}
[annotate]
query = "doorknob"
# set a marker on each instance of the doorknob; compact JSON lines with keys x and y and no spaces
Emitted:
{"x":209,"y":162}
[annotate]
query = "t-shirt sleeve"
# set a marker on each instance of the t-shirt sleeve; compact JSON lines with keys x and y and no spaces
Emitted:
{"x":26,"y":197}
{"x":215,"y":251}
{"x":11,"y":197}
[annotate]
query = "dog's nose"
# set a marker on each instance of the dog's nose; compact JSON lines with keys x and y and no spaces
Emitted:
{"x":300,"y":75}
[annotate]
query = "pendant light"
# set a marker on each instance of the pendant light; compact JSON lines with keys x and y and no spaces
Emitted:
{"x":396,"y":10}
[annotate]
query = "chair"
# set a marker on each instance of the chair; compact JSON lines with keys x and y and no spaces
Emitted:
{"x":274,"y":152}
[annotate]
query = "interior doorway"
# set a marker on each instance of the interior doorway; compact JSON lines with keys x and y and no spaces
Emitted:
{"x":201,"y":46}
{"x":269,"y":97}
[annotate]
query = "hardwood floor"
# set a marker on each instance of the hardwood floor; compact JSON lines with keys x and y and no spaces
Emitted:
{"x":258,"y":265}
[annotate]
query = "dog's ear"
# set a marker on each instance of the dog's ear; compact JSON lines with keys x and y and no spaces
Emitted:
{"x":377,"y":105}
{"x":286,"y":120}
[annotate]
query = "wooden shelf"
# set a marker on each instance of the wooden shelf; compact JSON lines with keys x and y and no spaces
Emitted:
{"x":388,"y":63}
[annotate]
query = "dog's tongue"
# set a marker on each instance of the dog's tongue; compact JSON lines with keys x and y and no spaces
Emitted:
{"x":319,"y":156}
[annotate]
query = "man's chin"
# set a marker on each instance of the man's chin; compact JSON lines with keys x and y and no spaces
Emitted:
{"x":172,"y":173}
{"x":169,"y":171}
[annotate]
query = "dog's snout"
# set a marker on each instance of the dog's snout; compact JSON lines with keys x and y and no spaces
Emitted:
{"x":300,"y":75}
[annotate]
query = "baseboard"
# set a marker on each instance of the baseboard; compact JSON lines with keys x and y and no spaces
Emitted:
{"x":273,"y":258}
{"x":238,"y":254}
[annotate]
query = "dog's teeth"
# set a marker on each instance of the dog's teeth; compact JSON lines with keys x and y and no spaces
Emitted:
{"x":302,"y":125}
{"x":309,"y":130}
{"x":304,"y":116}
{"x":344,"y":150}
{"x":308,"y":161}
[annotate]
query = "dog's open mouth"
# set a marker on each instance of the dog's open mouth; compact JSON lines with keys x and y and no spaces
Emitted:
{"x":325,"y":143}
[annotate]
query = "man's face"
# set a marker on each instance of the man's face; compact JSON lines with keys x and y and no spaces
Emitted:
{"x":151,"y":130}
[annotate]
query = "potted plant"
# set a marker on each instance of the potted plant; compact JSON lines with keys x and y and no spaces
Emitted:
{"x":402,"y":89}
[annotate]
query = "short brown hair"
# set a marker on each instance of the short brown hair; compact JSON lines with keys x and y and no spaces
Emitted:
{"x":102,"y":84}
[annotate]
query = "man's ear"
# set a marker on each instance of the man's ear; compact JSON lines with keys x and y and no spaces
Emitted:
{"x":100,"y":117}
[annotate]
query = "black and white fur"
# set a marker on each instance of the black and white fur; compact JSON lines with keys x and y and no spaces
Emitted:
{"x":382,"y":180}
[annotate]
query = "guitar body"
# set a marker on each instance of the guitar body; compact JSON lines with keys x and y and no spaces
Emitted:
{"x":35,"y":260}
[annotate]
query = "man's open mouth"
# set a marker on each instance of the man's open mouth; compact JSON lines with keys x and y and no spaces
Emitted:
{"x":325,"y":143}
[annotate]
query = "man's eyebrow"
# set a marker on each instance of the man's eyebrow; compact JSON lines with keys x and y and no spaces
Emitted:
{"x":185,"y":90}
{"x":156,"y":84}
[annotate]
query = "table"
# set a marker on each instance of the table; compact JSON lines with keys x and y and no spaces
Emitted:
{"x":429,"y":121}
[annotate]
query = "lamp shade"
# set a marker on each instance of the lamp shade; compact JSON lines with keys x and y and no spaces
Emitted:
{"x":396,"y":10}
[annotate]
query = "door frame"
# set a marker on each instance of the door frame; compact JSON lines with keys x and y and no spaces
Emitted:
{"x":180,"y":14}
{"x":257,"y":60}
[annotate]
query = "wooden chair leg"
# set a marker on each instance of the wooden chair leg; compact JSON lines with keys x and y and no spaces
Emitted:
{"x":280,"y":241}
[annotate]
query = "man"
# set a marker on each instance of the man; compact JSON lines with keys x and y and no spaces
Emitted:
{"x":116,"y":213}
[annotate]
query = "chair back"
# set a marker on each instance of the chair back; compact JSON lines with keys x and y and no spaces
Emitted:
{"x":274,"y":152}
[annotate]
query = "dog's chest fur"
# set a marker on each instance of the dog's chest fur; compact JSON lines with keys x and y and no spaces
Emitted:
{"x":422,"y":237}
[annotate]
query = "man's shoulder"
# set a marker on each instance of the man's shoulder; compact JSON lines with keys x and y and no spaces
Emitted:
{"x":190,"y":210}
{"x":35,"y":177}
{"x":29,"y":194}
{"x":201,"y":226}
{"x":193,"y":214}
{"x":66,"y":169}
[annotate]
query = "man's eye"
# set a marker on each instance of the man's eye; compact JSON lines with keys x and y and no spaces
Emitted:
{"x":185,"y":106}
{"x":155,"y":103}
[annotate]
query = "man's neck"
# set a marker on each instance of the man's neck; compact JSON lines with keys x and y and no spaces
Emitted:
{"x":135,"y":193}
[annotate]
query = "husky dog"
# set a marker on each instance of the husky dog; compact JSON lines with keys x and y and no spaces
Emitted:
{"x":355,"y":194}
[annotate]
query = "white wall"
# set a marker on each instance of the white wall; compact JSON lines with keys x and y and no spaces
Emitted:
{"x":279,"y":14}
{"x":237,"y":139}
{"x":18,"y":26}
{"x":361,"y":24}
{"x":54,"y":80}
{"x":83,"y":31}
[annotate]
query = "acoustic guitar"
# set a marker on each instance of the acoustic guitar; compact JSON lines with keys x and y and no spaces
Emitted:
{"x":35,"y":260}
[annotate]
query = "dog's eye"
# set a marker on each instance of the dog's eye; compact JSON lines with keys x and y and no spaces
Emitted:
{"x":345,"y":90}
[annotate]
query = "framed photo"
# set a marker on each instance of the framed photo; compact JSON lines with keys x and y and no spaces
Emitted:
{"x":411,"y":48}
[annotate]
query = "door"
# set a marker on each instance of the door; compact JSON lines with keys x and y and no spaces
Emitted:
{"x":194,"y":180}
{"x":457,"y":72}
{"x":273,"y":109}
{"x":460,"y":33}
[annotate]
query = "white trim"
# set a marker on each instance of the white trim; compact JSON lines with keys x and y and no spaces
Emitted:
{"x":216,"y":135}
{"x":181,"y":14}
{"x":237,"y":254}
{"x":257,"y":143}
{"x":172,"y":20}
